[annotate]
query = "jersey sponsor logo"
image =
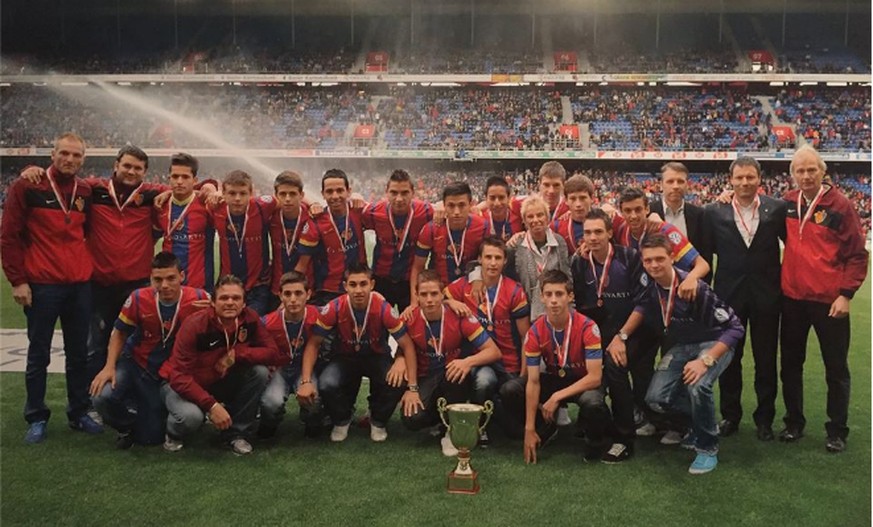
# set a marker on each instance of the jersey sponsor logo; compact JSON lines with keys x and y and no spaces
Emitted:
{"x":675,"y":238}
{"x":721,"y":314}
{"x":305,"y":228}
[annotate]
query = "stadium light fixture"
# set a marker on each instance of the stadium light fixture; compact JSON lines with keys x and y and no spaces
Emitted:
{"x":837,"y":84}
{"x":5,"y":84}
{"x":125,"y":83}
{"x":809,"y":83}
{"x":76,"y":83}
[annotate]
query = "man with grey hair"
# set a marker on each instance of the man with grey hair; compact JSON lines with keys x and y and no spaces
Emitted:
{"x":824,"y":263}
{"x":744,"y":234}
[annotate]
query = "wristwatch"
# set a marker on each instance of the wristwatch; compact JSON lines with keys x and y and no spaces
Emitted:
{"x":623,"y":336}
{"x":412,"y":388}
{"x":707,"y":359}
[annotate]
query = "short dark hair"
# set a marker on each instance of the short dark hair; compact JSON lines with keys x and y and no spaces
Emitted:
{"x":428,"y":275}
{"x":237,"y":177}
{"x":133,"y":151}
{"x":185,"y":160}
{"x":675,"y":166}
{"x":288,"y":177}
{"x":653,"y":241}
{"x":457,"y":188}
{"x":497,"y":181}
{"x":556,"y":276}
{"x":744,"y":161}
{"x":400,"y":176}
{"x":166,"y":260}
{"x":229,"y":279}
{"x":599,"y":214}
{"x":293,"y":277}
{"x":631,"y":194}
{"x":579,"y":183}
{"x":492,"y":241}
{"x":358,"y":268}
{"x":334,"y":173}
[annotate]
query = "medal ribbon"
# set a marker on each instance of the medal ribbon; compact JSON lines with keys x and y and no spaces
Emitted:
{"x":239,"y":236}
{"x":457,"y":256}
{"x":291,"y":346}
{"x":437,"y":343}
{"x":755,"y":205}
{"x":539,"y":257}
{"x":344,"y":236}
{"x":502,"y":227}
{"x":399,"y":241}
{"x":667,"y":310}
{"x":810,"y":210}
{"x":563,"y":347}
{"x":359,"y":332}
{"x":601,"y":283}
{"x":166,"y":334}
{"x":114,"y":196}
{"x":289,"y":245}
{"x":235,"y":334}
{"x":489,"y":311}
{"x":173,"y":225}
{"x":67,"y":209}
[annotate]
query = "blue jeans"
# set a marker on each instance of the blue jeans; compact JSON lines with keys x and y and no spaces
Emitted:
{"x":133,"y":383}
{"x":341,"y":380}
{"x":107,"y":301}
{"x":72,"y":304}
{"x":279,"y":389}
{"x":240,"y":392}
{"x":668,"y":393}
{"x":260,"y":298}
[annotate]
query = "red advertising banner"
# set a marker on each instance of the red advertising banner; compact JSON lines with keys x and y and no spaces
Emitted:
{"x":784,"y":134}
{"x":365,"y":131}
{"x":570,"y":131}
{"x":377,"y":61}
{"x":761,"y":55}
{"x":565,"y":61}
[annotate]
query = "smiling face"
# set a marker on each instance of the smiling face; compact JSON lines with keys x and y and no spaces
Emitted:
{"x":335,"y":194}
{"x":536,"y":219}
{"x":497,"y":200}
{"x":229,"y":301}
{"x":492,"y":260}
{"x":658,"y":263}
{"x":129,"y":170}
{"x":635,"y":213}
{"x":745,"y":181}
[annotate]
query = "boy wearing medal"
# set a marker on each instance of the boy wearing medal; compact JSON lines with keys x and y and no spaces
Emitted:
{"x":578,"y":194}
{"x":289,"y":219}
{"x":291,"y":326}
{"x":139,"y":345}
{"x":564,"y":364}
{"x":606,"y":281}
{"x":218,"y":369}
{"x":360,"y":322}
{"x":699,"y":340}
{"x":448,"y":348}
{"x":502,"y":221}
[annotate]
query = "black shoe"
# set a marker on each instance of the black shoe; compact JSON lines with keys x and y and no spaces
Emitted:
{"x":727,"y":428}
{"x":548,"y":434}
{"x":765,"y":433}
{"x":835,"y":444}
{"x":617,"y":453}
{"x":124,"y":441}
{"x":593,"y":453}
{"x":790,"y":434}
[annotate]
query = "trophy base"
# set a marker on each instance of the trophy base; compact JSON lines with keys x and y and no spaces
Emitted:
{"x":463,"y":483}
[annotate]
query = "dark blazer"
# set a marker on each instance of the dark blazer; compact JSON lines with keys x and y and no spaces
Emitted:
{"x":693,"y":219}
{"x":753,"y":270}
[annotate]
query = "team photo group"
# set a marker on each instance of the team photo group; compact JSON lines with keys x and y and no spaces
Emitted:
{"x":630,"y":316}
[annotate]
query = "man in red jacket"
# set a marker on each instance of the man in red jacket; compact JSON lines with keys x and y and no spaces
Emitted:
{"x":218,"y":369}
{"x":823,"y":264}
{"x":42,"y":245}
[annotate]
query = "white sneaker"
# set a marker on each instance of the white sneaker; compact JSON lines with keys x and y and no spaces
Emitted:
{"x":449,"y":449}
{"x":339,"y":433}
{"x":671,"y":438}
{"x":96,"y":417}
{"x":172,"y":445}
{"x":646,"y":430}
{"x":563,"y":418}
{"x":378,"y":433}
{"x":241,"y":447}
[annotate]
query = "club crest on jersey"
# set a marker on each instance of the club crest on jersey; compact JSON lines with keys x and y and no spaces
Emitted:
{"x":721,"y":315}
{"x":644,"y":279}
{"x":596,"y":331}
{"x":80,"y":204}
{"x":243,"y":334}
{"x":305,"y":228}
{"x":137,"y":200}
{"x":324,"y":309}
{"x":128,"y":302}
{"x":819,"y":217}
{"x":675,"y":238}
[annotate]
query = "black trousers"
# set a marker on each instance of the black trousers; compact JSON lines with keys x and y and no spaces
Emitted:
{"x":107,"y":301}
{"x":833,"y":335}
{"x":623,"y":396}
{"x":430,"y":389}
{"x":396,"y":292}
{"x":763,"y":324}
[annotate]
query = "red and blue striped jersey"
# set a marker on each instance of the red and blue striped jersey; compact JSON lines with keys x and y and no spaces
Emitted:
{"x":152,"y":326}
{"x":189,"y":233}
{"x":285,"y":237}
{"x":576,"y":236}
{"x":291,"y":337}
{"x":374,"y":325}
{"x":334,"y":244}
{"x":434,"y":242}
{"x":502,"y":229}
{"x":388,"y":261}
{"x":440,"y":342}
{"x":244,"y":242}
{"x":543,"y":345}
{"x":684,"y":253}
{"x":509,"y":306}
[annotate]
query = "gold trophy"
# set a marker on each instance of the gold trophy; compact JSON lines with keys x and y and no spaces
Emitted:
{"x":463,"y":429}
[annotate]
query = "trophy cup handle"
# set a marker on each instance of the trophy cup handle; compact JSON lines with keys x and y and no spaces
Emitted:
{"x":488,"y":411}
{"x":441,"y":409}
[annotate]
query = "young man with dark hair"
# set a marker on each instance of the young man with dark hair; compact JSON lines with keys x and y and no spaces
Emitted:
{"x":578,"y":194}
{"x":700,"y":336}
{"x":397,"y":221}
{"x":140,"y":343}
{"x":360,"y":321}
{"x":334,"y":240}
{"x":564,"y":363}
{"x":744,"y":235}
{"x":823,"y":265}
{"x":606,"y":282}
{"x":498,"y":214}
{"x":291,"y":326}
{"x":450,"y":245}
{"x":289,"y":219}
{"x":186,"y":225}
{"x":671,"y":205}
{"x":243,"y":227}
{"x":551,"y":188}
{"x":218,"y":368}
{"x":441,"y":338}
{"x":46,"y":259}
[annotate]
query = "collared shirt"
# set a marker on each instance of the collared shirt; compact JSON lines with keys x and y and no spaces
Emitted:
{"x":677,"y":218}
{"x":528,"y":270}
{"x":747,"y":220}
